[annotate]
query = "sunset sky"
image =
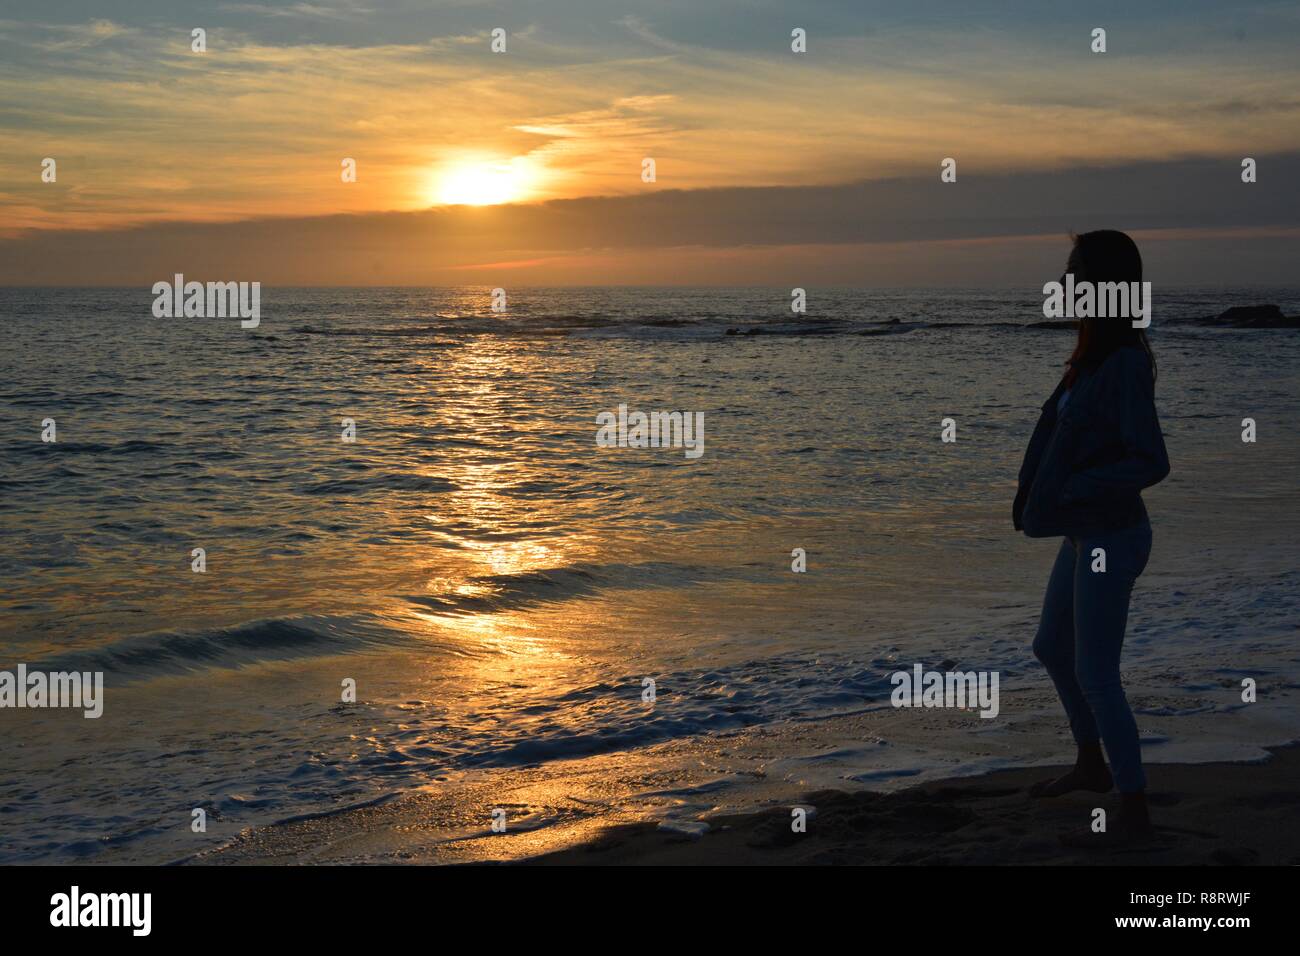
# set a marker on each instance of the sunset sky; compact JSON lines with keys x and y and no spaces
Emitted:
{"x":822,"y":165}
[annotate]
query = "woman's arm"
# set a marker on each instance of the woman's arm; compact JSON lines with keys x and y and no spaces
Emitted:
{"x":1127,"y":382}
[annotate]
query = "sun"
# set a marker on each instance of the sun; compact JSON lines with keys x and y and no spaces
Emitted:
{"x":481,"y":183}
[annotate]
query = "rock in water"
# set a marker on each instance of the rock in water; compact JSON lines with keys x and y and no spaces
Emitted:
{"x":1255,"y":317}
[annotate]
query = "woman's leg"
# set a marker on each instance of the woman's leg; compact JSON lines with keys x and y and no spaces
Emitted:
{"x":1101,"y":601}
{"x":1054,"y":646}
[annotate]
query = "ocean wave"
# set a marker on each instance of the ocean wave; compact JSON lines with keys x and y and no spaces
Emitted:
{"x":151,"y":655}
{"x":384,"y":482}
{"x":453,"y":330}
{"x":133,"y":447}
{"x":609,"y":714}
{"x":499,"y":592}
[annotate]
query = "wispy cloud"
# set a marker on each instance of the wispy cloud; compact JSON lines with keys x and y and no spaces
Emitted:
{"x":146,"y":130}
{"x":346,"y":11}
{"x":64,"y":37}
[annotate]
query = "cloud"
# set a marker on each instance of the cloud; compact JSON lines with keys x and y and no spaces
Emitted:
{"x":257,"y":126}
{"x":749,"y":230}
{"x":347,"y":11}
{"x":64,"y":37}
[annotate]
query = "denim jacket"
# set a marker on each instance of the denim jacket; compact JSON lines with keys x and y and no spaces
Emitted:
{"x":1085,"y":468}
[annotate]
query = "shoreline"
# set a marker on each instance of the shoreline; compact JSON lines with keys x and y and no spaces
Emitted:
{"x":1231,"y":813}
{"x":1225,"y":814}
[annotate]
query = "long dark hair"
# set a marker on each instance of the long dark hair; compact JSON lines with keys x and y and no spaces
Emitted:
{"x":1106,"y":255}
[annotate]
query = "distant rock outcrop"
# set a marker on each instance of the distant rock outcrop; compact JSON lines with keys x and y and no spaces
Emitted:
{"x":1250,"y":317}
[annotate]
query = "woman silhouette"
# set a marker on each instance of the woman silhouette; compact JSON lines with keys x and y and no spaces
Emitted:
{"x":1096,"y":446}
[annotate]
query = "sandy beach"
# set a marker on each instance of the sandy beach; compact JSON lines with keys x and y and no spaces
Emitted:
{"x":1213,"y":814}
{"x":1205,"y":814}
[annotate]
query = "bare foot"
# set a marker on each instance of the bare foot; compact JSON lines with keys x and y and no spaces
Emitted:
{"x":1096,"y":780}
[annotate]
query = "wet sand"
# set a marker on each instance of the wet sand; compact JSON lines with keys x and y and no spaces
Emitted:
{"x":1205,"y":814}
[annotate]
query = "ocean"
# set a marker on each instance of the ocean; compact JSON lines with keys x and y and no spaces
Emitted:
{"x":607,"y":630}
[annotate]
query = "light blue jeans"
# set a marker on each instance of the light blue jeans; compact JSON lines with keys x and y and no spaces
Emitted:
{"x":1081,"y":634}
